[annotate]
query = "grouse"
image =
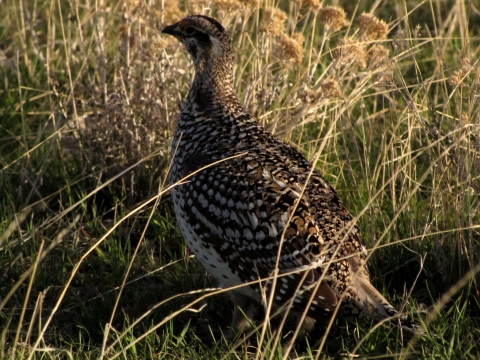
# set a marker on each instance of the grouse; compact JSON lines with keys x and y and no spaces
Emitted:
{"x":253,"y":209}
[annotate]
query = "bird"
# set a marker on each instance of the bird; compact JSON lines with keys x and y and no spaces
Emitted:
{"x":256,"y":213}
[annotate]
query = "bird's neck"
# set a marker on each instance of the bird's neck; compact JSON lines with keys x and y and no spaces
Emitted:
{"x":213,"y":85}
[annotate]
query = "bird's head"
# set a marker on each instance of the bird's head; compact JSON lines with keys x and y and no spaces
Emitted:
{"x":206,"y":40}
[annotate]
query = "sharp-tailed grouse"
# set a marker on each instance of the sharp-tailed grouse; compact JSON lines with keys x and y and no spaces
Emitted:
{"x":248,"y":203}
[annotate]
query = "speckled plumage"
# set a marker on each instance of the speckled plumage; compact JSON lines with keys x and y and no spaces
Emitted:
{"x":247,"y":198}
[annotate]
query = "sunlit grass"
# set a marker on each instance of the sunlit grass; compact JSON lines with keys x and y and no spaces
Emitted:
{"x":93,"y":263}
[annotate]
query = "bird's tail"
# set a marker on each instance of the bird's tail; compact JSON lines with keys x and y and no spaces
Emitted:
{"x":377,"y":307}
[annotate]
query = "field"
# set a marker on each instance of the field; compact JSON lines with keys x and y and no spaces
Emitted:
{"x":384,"y":97}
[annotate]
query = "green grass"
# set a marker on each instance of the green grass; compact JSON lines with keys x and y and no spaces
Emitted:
{"x":93,"y":264}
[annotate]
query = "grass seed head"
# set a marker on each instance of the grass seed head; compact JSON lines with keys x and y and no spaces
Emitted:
{"x":133,"y":4}
{"x":171,"y":12}
{"x":228,"y":5}
{"x":416,"y":31}
{"x":458,"y":76}
{"x":372,"y":28}
{"x":273,"y":21}
{"x":333,"y":17}
{"x":350,"y":51}
{"x":290,"y":48}
{"x":197,"y":7}
{"x":377,"y":55}
{"x":154,"y":46}
{"x":384,"y":80}
{"x":399,"y":40}
{"x":310,"y":4}
{"x":329,"y":89}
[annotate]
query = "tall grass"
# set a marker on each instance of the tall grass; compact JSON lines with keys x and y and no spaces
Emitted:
{"x":385,"y":95}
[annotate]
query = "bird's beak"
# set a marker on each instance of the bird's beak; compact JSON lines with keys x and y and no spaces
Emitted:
{"x":171,"y":29}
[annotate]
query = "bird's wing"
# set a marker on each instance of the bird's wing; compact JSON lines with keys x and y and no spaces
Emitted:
{"x":251,"y":210}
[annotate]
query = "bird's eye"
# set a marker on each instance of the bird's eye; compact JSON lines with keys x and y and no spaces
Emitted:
{"x":189,"y":30}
